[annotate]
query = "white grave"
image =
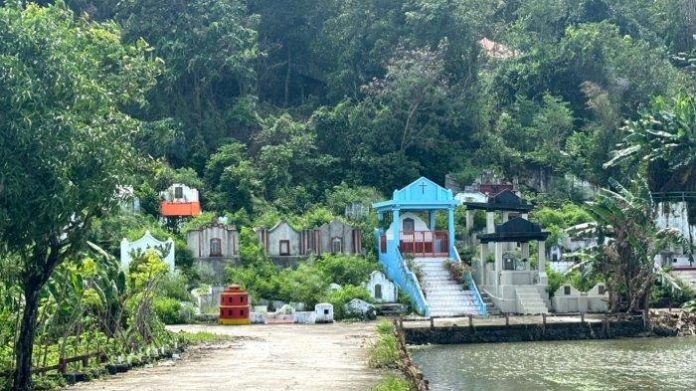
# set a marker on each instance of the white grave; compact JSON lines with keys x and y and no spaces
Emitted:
{"x":324,"y":313}
{"x":570,"y":300}
{"x":381,"y":289}
{"x":165,"y":249}
{"x":598,"y":298}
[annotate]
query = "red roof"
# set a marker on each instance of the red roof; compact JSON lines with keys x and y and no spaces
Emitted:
{"x":180,"y":209}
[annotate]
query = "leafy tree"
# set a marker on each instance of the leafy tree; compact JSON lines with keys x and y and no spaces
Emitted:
{"x":146,"y":273}
{"x":339,"y":197}
{"x":347,"y":269}
{"x":287,"y":72}
{"x":65,"y":142}
{"x":355,"y":43}
{"x":530,"y":135}
{"x":626,"y":259}
{"x":209,"y":47}
{"x":232,"y":180}
{"x":288,"y":158}
{"x":664,"y":135}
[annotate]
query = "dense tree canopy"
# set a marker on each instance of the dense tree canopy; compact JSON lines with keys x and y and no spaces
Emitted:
{"x":380,"y":92}
{"x":305,"y":107}
{"x":65,"y":143}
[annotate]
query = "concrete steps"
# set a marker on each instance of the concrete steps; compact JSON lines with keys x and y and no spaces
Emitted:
{"x":445,"y":297}
{"x":530,"y":301}
{"x":490,"y":306}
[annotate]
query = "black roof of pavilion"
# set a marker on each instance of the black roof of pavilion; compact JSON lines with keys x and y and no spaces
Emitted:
{"x":506,"y":200}
{"x":515,"y":230}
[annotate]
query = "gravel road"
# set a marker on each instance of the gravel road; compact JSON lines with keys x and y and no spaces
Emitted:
{"x":277,"y":357}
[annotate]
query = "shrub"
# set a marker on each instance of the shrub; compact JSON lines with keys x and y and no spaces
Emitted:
{"x":392,"y":383}
{"x":663,"y":294}
{"x":555,"y":280}
{"x":168,"y":310}
{"x":175,"y":285}
{"x":306,"y":284}
{"x":457,"y":270}
{"x":183,"y":257}
{"x":347,"y":269}
{"x":340,"y":297}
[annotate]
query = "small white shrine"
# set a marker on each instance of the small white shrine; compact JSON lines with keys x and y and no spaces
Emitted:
{"x":165,"y":249}
{"x":381,"y":289}
{"x":324,"y":313}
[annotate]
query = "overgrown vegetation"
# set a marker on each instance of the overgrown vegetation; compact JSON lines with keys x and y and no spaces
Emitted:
{"x":385,"y":351}
{"x":303,"y":110}
{"x":392,"y":383}
{"x":309,"y":283}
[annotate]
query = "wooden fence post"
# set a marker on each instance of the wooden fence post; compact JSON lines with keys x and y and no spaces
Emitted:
{"x":471,"y":321}
{"x":62,"y":365}
{"x":507,"y":319}
{"x":582,"y":318}
{"x":432,"y":322}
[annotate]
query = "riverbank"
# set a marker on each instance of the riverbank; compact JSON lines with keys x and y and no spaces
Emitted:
{"x":287,"y":357}
{"x":520,"y":329}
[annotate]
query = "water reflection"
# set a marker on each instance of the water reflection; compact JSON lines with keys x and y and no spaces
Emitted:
{"x":628,"y":364}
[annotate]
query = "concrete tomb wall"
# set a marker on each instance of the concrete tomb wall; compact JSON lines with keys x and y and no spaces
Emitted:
{"x":287,"y":246}
{"x":567,"y":299}
{"x":283,"y":240}
{"x":340,"y":238}
{"x":214,"y":247}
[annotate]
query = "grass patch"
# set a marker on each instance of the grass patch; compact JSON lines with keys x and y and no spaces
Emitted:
{"x":203,"y":337}
{"x":392,"y":383}
{"x":385,"y":352}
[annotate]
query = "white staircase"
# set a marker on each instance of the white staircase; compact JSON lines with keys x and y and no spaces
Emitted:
{"x":445,"y":296}
{"x":529,"y":301}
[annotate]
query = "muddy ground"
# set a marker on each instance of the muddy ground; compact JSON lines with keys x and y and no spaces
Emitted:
{"x":277,"y":357}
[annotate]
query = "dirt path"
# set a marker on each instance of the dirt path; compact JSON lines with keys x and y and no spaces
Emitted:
{"x":278,"y":357}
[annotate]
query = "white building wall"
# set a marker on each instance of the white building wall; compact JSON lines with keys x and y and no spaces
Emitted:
{"x":141,"y":245}
{"x":471,"y":196}
{"x":675,"y":215}
{"x":419,"y":224}
{"x":189,"y":194}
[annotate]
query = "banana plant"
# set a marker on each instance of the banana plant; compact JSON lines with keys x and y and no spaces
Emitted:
{"x":629,"y":241}
{"x":663,"y":136}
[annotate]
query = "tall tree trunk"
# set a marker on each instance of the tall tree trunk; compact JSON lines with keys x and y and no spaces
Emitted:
{"x":25,"y":342}
{"x":287,"y":79}
{"x":36,"y":274}
{"x":646,"y":310}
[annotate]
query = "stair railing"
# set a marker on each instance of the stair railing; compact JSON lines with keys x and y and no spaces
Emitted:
{"x":397,"y":270}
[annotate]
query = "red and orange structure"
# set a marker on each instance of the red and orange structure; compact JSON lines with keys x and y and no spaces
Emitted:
{"x":234,"y":306}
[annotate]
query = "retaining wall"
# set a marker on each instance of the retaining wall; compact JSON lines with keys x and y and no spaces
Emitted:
{"x":524,"y":332}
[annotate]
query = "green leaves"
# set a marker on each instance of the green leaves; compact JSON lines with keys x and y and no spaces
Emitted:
{"x":626,"y":259}
{"x":65,"y":142}
{"x":665,"y":133}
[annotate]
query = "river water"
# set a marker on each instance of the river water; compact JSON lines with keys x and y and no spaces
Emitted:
{"x":625,"y":364}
